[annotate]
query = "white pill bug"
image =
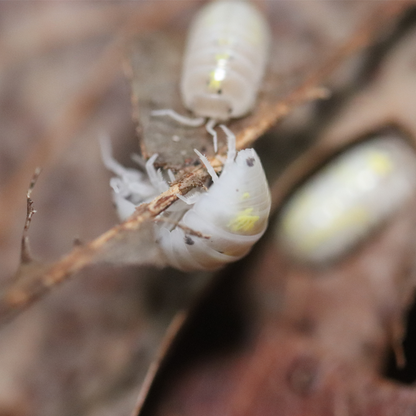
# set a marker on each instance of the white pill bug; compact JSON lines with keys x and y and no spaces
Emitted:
{"x":224,"y":63}
{"x":341,"y":204}
{"x":225,"y":60}
{"x":233,"y":213}
{"x":231,"y":216}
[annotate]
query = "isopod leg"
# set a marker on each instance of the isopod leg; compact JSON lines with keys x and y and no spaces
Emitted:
{"x":210,"y":169}
{"x":108,"y":159}
{"x":151,"y":171}
{"x":210,"y":129}
{"x":189,"y":200}
{"x":171,"y":176}
{"x":230,"y":143}
{"x":187,"y":121}
{"x":155,"y":177}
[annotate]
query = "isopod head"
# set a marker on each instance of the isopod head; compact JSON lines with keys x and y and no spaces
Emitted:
{"x":340,"y":205}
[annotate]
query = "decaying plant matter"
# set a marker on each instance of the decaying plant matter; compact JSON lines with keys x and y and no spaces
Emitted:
{"x":310,"y":375}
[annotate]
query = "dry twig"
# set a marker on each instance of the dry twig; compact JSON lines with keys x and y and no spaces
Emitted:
{"x":26,"y":256}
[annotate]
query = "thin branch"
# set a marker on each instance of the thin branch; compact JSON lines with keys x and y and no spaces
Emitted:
{"x":26,"y":291}
{"x":186,"y":229}
{"x":26,"y":255}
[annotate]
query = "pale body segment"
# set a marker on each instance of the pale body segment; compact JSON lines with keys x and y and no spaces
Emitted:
{"x":341,"y":204}
{"x":232,"y":215}
{"x":225,"y":60}
{"x":224,"y":63}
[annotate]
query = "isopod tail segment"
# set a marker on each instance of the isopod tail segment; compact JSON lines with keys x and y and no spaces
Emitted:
{"x":233,"y":213}
{"x":192,"y":122}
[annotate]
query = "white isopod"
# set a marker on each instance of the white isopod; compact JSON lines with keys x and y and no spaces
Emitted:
{"x":232,"y":215}
{"x":224,"y":63}
{"x":342,"y":203}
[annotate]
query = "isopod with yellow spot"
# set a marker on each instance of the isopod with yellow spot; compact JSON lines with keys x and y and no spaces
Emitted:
{"x":233,"y":214}
{"x":340,"y":205}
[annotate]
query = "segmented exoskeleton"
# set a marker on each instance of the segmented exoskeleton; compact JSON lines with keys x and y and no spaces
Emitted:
{"x":232,"y":215}
{"x":224,"y":63}
{"x":344,"y":201}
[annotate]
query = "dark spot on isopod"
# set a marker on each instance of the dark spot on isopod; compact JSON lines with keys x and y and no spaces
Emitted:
{"x":189,"y":241}
{"x":250,"y":161}
{"x":219,"y":91}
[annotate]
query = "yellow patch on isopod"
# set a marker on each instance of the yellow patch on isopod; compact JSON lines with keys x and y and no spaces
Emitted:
{"x":347,"y":198}
{"x":244,"y":221}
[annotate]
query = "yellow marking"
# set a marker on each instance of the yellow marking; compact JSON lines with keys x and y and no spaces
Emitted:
{"x":352,"y":218}
{"x":380,"y":163}
{"x":246,"y":195}
{"x":216,"y":77}
{"x":244,"y":221}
